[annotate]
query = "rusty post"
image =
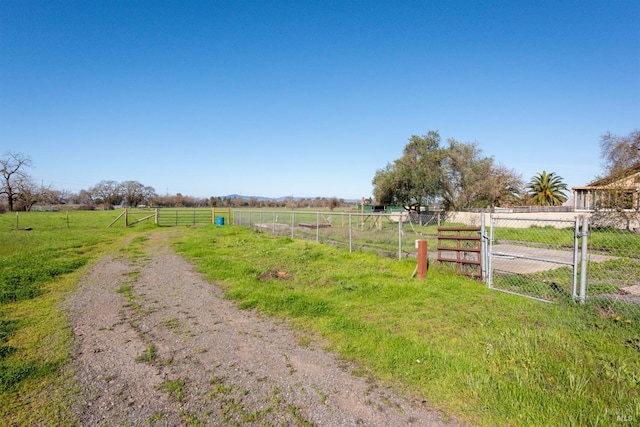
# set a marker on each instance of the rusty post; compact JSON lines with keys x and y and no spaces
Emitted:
{"x":422,"y":259}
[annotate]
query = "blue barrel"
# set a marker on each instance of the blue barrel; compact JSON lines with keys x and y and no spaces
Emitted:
{"x":219,"y":220}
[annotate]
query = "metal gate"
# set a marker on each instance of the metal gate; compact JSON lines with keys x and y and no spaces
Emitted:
{"x":534,"y":257}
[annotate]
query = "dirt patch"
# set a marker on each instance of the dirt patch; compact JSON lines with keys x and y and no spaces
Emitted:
{"x":156,"y":344}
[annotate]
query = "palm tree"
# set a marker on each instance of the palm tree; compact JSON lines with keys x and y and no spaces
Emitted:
{"x":547,"y":189}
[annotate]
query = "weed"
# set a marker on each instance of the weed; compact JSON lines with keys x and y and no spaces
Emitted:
{"x":173,"y":324}
{"x":323,"y":396}
{"x":295,"y":412}
{"x":219,"y":386}
{"x":304,"y":341}
{"x":174,"y":388}
{"x":155,"y":418}
{"x":150,"y":355}
{"x":190,"y":418}
{"x":290,"y":367}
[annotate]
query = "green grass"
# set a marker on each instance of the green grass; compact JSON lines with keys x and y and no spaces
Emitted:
{"x":39,"y":267}
{"x":174,"y":388}
{"x":486,"y":357}
{"x":150,"y":355}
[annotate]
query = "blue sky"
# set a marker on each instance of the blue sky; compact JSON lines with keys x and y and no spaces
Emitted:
{"x":309,"y":98}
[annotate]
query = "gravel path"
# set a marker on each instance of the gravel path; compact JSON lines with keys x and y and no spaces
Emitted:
{"x":158,"y":345}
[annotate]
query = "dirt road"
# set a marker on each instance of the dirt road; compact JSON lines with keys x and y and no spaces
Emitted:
{"x":158,"y":345}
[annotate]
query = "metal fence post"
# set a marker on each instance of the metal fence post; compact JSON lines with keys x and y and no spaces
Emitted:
{"x":350,"y":235}
{"x":400,"y":237}
{"x":490,"y":253}
{"x":576,"y":248}
{"x":583,"y":260}
{"x":317,"y":227}
{"x":483,"y":248}
{"x":293,"y":216}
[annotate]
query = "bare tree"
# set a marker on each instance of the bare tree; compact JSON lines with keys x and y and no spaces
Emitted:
{"x":618,"y":193}
{"x":12,"y":172}
{"x":108,"y":193}
{"x":620,"y":153}
{"x":28,"y":193}
{"x":49,"y":196}
{"x":135,"y":193}
{"x":86,"y":198}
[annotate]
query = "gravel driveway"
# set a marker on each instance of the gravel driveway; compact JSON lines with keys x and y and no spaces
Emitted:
{"x":156,"y":344}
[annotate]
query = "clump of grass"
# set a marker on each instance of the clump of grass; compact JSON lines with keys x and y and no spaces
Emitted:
{"x":190,"y":418}
{"x":127,"y":290}
{"x":150,"y":355}
{"x":155,"y":418}
{"x":295,"y":413}
{"x":219,"y":387}
{"x":304,"y":341}
{"x":174,"y":388}
{"x":173,"y":324}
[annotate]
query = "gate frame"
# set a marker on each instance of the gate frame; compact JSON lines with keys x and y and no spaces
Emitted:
{"x":462,"y":234}
{"x":580,"y":255}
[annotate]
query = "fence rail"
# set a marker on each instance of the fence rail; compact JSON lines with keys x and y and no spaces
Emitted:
{"x":173,"y":217}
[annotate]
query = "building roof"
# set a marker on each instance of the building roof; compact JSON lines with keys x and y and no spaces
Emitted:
{"x":608,"y":180}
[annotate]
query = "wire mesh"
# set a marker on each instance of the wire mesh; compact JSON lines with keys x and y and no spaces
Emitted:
{"x":388,"y":234}
{"x":613,"y":273}
{"x":540,"y":258}
{"x":534,"y":257}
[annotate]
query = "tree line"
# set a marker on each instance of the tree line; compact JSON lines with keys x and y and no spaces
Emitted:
{"x":451,"y":176}
{"x":19,"y":192}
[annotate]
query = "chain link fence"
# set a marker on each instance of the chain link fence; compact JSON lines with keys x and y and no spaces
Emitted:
{"x":613,"y":285}
{"x":388,"y":234}
{"x":561,"y":260}
{"x":534,"y":257}
{"x":550,"y":259}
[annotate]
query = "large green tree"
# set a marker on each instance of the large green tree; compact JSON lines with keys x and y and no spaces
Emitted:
{"x":472,"y":180}
{"x":457,"y":176}
{"x":547,"y":189}
{"x":415,"y":177}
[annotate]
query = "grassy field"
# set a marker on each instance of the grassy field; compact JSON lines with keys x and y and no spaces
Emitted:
{"x":42,"y":255}
{"x":490,"y":358}
{"x":484,"y":357}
